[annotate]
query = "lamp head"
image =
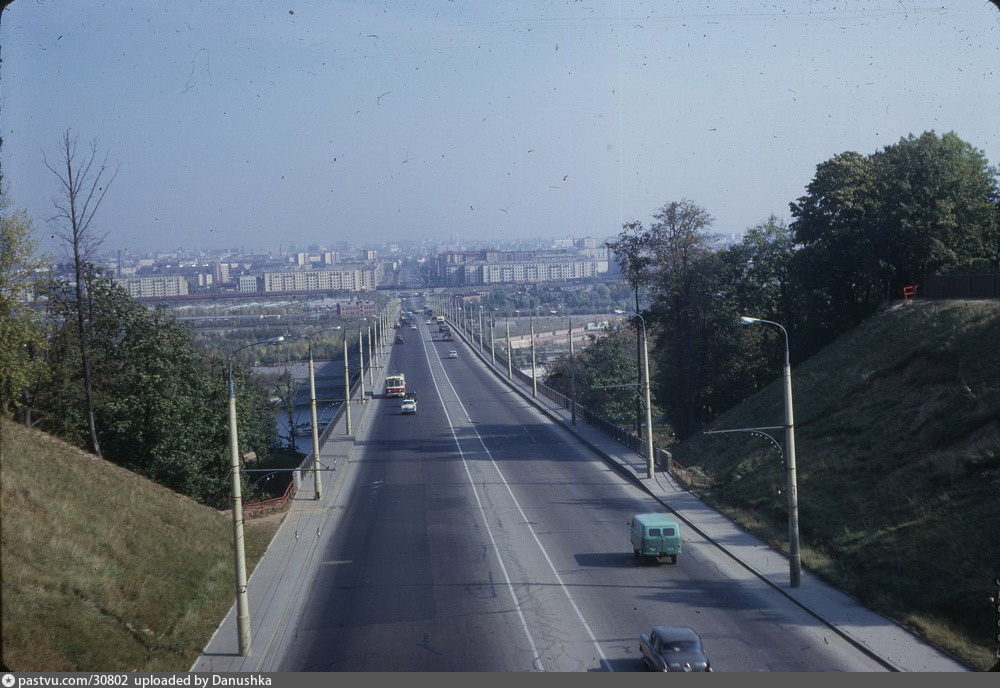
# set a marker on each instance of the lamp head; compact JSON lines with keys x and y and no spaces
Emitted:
{"x":744,"y":320}
{"x":275,"y":340}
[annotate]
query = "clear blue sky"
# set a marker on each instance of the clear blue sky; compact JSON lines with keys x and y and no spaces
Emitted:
{"x":259,"y":123}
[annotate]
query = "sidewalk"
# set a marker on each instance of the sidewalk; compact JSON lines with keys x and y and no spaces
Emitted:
{"x":877,"y":636}
{"x":277,"y":587}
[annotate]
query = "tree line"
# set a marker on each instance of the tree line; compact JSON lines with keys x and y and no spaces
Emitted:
{"x":83,"y":360}
{"x":866,"y":226}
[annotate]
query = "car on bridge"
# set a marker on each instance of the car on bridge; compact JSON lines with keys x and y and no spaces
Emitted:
{"x":409,"y":406}
{"x":673,"y":648}
{"x":452,"y":354}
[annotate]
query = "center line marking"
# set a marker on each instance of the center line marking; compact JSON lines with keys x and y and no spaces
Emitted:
{"x":541,"y":547}
{"x":537,"y":660}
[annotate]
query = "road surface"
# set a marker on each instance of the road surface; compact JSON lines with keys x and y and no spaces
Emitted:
{"x":476,"y":536}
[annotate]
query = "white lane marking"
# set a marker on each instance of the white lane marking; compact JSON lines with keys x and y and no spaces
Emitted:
{"x":537,"y":661}
{"x":524,"y":516}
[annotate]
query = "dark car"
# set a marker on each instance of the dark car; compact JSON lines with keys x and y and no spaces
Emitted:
{"x":673,"y":648}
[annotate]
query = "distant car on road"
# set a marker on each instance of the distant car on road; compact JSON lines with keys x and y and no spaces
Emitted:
{"x":452,"y":354}
{"x":413,"y":327}
{"x":673,"y":648}
{"x":408,"y":406}
{"x":399,"y":339}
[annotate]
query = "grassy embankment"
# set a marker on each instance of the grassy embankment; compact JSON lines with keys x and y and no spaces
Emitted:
{"x":103,"y":569}
{"x":898,"y":452}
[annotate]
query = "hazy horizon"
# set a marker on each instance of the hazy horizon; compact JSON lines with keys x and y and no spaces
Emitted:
{"x":319,"y":122}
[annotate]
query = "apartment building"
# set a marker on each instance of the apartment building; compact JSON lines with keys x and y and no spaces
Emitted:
{"x":513,"y":267}
{"x":154,"y":286}
{"x":345,"y":278}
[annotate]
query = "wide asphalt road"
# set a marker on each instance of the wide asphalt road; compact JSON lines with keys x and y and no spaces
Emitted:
{"x":477,"y":536}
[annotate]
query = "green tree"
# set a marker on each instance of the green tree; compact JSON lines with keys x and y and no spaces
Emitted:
{"x":836,"y":268}
{"x":993,"y":238}
{"x":678,"y":246}
{"x":869,"y":224}
{"x":632,"y":253}
{"x":161,"y":404}
{"x":606,"y":376}
{"x":20,"y":330}
{"x":755,"y":278}
{"x":935,"y":209}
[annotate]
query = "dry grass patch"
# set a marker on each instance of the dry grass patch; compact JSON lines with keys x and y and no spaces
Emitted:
{"x":898,"y":449}
{"x":104,"y":569}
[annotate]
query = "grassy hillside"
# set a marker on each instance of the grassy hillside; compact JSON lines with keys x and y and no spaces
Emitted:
{"x":103,"y":569}
{"x":898,"y":451}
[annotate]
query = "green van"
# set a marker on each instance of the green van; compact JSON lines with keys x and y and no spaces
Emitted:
{"x":655,"y":535}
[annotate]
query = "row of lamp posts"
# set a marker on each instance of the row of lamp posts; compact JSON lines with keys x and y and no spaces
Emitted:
{"x":463,"y":319}
{"x":377,"y":349}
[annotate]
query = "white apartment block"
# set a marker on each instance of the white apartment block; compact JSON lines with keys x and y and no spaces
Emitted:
{"x":346,"y":278}
{"x":533,"y":271}
{"x":154,"y":286}
{"x":248,"y":284}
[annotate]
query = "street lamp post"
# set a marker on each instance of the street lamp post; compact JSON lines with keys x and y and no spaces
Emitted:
{"x":371,"y":366}
{"x":239,"y":551}
{"x":510,"y":367}
{"x":493,"y":327}
{"x":481,"y":345}
{"x":361,"y":358}
{"x":472,"y":324}
{"x":379,"y":337}
{"x":650,"y":461}
{"x":794,"y":558}
{"x":317,"y":482}
{"x":572,"y":376}
{"x":534,"y":379}
{"x":347,"y":387}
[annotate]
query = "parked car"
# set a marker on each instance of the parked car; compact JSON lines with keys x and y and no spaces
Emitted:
{"x":408,"y":406}
{"x":452,"y":354}
{"x":673,"y":648}
{"x":655,"y":535}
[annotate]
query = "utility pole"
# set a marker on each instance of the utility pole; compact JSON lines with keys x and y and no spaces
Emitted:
{"x":347,"y":386}
{"x":493,"y":352}
{"x":534,"y":379}
{"x":510,"y":368}
{"x":371,"y":368}
{"x":572,"y":376}
{"x":361,"y":362}
{"x":481,"y":326}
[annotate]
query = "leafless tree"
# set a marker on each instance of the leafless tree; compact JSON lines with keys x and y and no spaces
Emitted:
{"x":84,"y":183}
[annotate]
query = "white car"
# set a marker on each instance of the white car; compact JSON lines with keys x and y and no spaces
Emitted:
{"x":452,"y":354}
{"x":408,"y":406}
